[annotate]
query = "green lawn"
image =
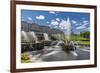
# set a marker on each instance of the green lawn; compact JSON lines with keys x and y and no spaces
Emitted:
{"x":78,"y":38}
{"x":82,"y":40}
{"x":87,"y":43}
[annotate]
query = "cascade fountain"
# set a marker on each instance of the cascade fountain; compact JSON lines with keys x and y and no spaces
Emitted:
{"x":24,"y":37}
{"x":46,"y":37}
{"x":34,"y":36}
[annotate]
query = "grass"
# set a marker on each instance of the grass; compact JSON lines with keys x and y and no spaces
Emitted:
{"x":78,"y":38}
{"x":87,"y":43}
{"x":25,"y":58}
{"x":84,"y":41}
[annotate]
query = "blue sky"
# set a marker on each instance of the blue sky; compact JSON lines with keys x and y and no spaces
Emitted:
{"x":53,"y":19}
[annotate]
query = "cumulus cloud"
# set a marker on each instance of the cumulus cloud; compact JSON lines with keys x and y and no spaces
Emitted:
{"x":57,"y":19}
{"x":29,"y":18}
{"x":74,"y":22}
{"x":40,"y":17}
{"x":81,"y":27}
{"x":85,"y":22}
{"x":55,"y":26}
{"x":65,"y":24}
{"x":54,"y":22}
{"x":48,"y":22}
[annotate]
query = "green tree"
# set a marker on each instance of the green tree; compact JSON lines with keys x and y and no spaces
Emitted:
{"x":85,"y":34}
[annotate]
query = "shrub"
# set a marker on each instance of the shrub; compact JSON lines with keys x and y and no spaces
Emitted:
{"x":25,"y":58}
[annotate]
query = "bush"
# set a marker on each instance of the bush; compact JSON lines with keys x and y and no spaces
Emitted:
{"x":25,"y":58}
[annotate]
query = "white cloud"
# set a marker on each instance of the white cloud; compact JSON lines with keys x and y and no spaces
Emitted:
{"x":74,"y":22}
{"x":78,"y":23}
{"x":65,"y":24}
{"x":29,"y":18}
{"x":40,"y":17}
{"x":57,"y":19}
{"x":48,"y":22}
{"x":61,"y":27}
{"x":85,"y":22}
{"x":54,"y":22}
{"x":52,"y":12}
{"x":81,"y":27}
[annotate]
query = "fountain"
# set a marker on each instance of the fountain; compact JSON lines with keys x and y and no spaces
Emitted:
{"x":46,"y":37}
{"x":34,"y":36}
{"x":68,"y":29}
{"x":24,"y":37}
{"x":28,"y":36}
